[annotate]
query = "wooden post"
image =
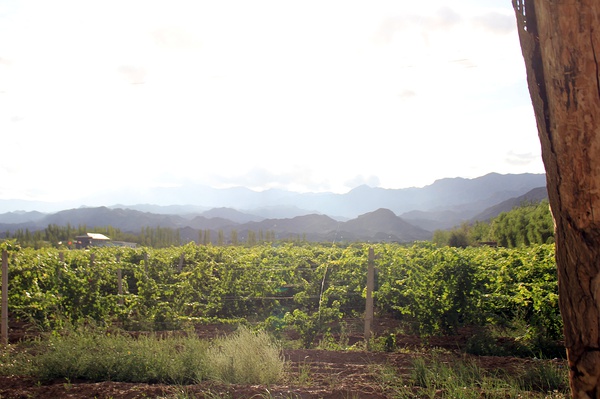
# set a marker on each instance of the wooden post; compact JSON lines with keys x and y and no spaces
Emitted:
{"x":4,"y":321}
{"x":61,"y":258}
{"x":180,"y":266}
{"x":370,"y":287}
{"x":120,"y":280}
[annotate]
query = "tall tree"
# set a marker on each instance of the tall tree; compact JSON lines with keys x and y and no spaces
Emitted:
{"x":559,"y":41}
{"x":206,"y":240}
{"x":234,"y":237}
{"x":251,"y":238}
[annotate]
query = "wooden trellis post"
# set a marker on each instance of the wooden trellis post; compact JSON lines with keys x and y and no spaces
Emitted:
{"x":180,"y":265}
{"x":4,"y":322}
{"x":61,"y":257}
{"x":120,"y":280}
{"x":369,"y":312}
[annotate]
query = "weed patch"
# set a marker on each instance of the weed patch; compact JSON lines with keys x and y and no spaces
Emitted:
{"x":246,"y":357}
{"x":465,"y":379}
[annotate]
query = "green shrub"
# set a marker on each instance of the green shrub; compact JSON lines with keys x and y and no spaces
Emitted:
{"x":545,"y":377}
{"x":465,"y":379}
{"x":483,"y":344}
{"x":309,"y":325}
{"x":246,"y":357}
{"x":97,"y":356}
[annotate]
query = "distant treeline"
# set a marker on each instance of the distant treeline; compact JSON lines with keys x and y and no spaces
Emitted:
{"x":63,"y":236}
{"x":528,"y":224}
{"x":155,"y":237}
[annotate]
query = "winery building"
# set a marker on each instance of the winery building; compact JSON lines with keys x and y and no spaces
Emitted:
{"x":99,"y":240}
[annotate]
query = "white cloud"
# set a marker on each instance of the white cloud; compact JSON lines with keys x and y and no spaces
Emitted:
{"x":521,"y":159}
{"x":175,"y":38}
{"x":134,"y":75}
{"x":496,"y":22}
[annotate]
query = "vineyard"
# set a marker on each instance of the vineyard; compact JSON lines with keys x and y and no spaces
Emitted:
{"x":474,"y":301}
{"x":308,"y":288}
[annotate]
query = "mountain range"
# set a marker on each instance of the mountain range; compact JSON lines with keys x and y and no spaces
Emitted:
{"x":362,"y":214}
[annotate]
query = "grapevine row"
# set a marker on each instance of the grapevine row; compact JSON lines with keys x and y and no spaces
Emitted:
{"x":434,"y":290}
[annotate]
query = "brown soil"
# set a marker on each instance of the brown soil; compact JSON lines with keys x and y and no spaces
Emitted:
{"x":311,"y":374}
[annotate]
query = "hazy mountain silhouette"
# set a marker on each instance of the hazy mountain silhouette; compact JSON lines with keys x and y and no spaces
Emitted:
{"x":362,"y":214}
{"x":232,"y":215}
{"x":384,"y":225}
{"x":456,"y":194}
{"x":534,"y":196}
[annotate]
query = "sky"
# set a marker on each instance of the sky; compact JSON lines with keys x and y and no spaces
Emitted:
{"x":308,"y":96}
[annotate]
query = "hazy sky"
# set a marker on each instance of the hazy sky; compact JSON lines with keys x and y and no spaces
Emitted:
{"x":305,"y":95}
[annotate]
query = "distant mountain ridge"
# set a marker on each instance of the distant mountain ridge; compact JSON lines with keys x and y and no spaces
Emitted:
{"x":380,"y":225}
{"x":534,"y":196}
{"x":455,"y":194}
{"x":362,"y":214}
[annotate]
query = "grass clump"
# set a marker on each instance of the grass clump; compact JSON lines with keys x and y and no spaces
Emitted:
{"x":465,"y":379}
{"x":517,"y":339}
{"x":246,"y":357}
{"x":454,"y":377}
{"x":95,"y":355}
{"x":546,"y":377}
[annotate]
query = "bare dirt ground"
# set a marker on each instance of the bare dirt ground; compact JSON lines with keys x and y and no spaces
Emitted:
{"x":311,"y":374}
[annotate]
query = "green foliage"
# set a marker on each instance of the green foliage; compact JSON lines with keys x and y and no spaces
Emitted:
{"x":9,"y":246}
{"x":545,"y":377}
{"x":310,"y":288}
{"x":528,"y":224}
{"x":59,"y":236}
{"x":246,"y":357}
{"x":155,"y":237}
{"x":465,"y":379}
{"x":525,"y":225}
{"x":310,"y":325}
{"x":439,"y":289}
{"x":99,"y":355}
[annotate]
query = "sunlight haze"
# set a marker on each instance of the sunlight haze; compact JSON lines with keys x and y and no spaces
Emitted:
{"x":99,"y":96}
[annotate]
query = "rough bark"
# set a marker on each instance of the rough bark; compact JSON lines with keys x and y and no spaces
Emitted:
{"x":560,"y":40}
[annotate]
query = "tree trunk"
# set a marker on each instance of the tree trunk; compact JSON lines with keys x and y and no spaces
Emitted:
{"x":559,"y":39}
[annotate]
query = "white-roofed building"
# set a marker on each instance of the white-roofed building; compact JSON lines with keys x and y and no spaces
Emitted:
{"x":91,"y":240}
